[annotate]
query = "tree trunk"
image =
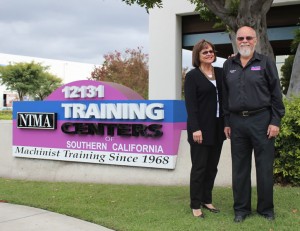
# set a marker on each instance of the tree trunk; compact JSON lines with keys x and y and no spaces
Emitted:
{"x":251,"y":13}
{"x":254,"y":14}
{"x":294,"y":87}
{"x":232,"y":36}
{"x":20,"y":95}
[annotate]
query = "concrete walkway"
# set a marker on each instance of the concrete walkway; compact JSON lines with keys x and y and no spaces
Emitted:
{"x":23,"y":218}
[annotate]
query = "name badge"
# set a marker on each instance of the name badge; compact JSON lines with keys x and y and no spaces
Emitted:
{"x":255,"y":68}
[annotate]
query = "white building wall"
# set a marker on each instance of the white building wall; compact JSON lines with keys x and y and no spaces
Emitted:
{"x":285,"y":2}
{"x":165,"y":53}
{"x":165,"y":49}
{"x":66,"y":70}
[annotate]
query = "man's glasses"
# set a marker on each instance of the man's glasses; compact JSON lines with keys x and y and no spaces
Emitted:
{"x":206,"y":52}
{"x":248,"y":38}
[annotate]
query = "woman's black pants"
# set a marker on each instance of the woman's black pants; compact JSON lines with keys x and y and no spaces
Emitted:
{"x":205,"y":159}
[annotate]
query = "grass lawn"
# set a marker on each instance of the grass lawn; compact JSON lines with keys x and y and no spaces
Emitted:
{"x":5,"y":115}
{"x":143,"y":208}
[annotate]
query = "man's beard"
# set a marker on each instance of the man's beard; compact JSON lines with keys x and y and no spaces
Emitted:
{"x":245,"y":51}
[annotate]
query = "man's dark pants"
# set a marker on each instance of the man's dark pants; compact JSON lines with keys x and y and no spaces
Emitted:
{"x":248,"y":134}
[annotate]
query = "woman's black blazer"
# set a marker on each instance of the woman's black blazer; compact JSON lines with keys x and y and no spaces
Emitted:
{"x":201,"y":105}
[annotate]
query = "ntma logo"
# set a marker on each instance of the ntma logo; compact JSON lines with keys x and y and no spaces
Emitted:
{"x":36,"y":120}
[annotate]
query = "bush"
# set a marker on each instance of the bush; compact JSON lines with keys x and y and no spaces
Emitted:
{"x":287,"y":145}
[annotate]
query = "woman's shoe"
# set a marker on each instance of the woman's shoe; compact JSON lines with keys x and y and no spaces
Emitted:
{"x":213,"y":210}
{"x":200,"y":215}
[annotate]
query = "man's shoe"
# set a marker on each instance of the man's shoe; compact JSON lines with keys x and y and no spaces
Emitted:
{"x":269,"y":217}
{"x":239,"y":218}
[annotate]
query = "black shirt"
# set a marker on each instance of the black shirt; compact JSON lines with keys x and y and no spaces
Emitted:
{"x":252,"y":87}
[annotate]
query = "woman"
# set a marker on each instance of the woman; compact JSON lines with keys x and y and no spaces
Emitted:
{"x":202,"y":89}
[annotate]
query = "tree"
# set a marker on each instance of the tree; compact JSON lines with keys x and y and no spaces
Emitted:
{"x":294,"y":87}
{"x":249,"y":13}
{"x":24,"y":78}
{"x":148,"y":4}
{"x":129,"y":69}
{"x":236,"y":13}
{"x":49,"y":83}
{"x":286,"y":71}
{"x":21,"y":77}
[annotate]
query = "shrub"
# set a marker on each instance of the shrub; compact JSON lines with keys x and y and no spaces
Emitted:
{"x":287,"y":145}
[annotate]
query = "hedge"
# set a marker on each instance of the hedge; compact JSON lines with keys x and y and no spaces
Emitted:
{"x":287,"y":145}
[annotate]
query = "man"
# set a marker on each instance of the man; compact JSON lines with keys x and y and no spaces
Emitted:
{"x":253,"y":109}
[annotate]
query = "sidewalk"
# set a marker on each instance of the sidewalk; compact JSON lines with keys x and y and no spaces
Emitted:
{"x":23,"y":218}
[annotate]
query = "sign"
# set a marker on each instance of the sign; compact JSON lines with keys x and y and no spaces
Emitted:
{"x":99,"y":122}
{"x":36,"y":120}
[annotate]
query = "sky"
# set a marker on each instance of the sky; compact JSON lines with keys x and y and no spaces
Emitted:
{"x":72,"y":30}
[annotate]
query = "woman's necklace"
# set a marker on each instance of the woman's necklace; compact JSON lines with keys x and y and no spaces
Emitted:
{"x":209,"y":76}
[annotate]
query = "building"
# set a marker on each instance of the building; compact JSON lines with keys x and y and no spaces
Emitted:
{"x":66,"y":70}
{"x":176,"y":27}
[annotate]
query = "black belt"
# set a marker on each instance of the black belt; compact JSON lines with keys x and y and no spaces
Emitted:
{"x":250,"y":113}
